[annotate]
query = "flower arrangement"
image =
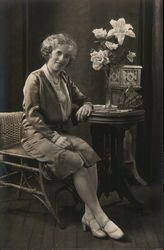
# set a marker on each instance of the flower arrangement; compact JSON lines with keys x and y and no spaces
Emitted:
{"x":110,"y":52}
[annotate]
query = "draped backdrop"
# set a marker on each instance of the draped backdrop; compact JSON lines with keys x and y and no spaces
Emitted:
{"x":25,"y":23}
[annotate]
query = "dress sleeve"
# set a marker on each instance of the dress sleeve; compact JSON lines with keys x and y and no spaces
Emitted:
{"x":77,"y":96}
{"x":31,"y":107}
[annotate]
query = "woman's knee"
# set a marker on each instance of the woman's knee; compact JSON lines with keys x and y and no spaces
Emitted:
{"x":94,"y":166}
{"x":81,"y":172}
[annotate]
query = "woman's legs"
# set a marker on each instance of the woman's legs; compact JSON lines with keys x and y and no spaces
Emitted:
{"x":87,"y":192}
{"x":92,"y":171}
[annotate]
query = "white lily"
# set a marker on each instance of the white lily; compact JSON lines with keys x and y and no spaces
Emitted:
{"x":120,"y":30}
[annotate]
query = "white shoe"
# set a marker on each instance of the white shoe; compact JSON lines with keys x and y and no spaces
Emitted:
{"x":112,"y":230}
{"x":94,"y":227}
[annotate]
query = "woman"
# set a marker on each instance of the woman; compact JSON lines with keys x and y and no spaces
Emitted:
{"x":48,"y":97}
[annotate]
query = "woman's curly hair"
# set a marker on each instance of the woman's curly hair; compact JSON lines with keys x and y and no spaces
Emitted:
{"x":52,"y":41}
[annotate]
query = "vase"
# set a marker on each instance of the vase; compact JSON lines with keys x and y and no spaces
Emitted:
{"x":108,"y":94}
{"x":108,"y":89}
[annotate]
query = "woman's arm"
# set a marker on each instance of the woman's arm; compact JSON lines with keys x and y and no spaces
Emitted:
{"x":84,"y":103}
{"x":78,"y":97}
{"x":31,"y":105}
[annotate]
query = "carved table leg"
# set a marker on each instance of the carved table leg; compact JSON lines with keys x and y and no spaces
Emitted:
{"x":122,"y":185}
{"x":100,"y":143}
{"x":111,"y":174}
{"x":129,"y":147}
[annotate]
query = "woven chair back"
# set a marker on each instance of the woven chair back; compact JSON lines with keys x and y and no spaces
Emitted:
{"x":10,"y":129}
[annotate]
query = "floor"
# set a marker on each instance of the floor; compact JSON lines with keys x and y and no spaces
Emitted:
{"x":26,"y":225}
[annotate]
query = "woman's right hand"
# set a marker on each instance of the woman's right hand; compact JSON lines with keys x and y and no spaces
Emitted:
{"x":63,"y":142}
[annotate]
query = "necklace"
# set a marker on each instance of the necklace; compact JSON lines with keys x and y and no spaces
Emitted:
{"x":55,"y":79}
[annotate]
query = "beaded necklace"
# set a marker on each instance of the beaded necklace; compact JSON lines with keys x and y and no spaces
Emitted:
{"x":56,"y":80}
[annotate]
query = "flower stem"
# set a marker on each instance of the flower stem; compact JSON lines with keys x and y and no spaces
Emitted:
{"x":108,"y":102}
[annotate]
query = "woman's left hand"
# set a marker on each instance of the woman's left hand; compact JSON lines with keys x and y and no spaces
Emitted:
{"x":84,"y":112}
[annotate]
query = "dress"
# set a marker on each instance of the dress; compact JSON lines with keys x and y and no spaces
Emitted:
{"x":44,"y":122}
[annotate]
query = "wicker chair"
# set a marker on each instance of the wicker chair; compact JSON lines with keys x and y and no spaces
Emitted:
{"x":12,"y":154}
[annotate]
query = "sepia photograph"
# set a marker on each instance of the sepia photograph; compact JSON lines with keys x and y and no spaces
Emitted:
{"x":81,"y":125}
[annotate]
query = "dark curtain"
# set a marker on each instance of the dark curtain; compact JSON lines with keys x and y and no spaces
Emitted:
{"x":25,"y":23}
{"x":11,"y":55}
{"x":151,"y":52}
{"x":157,"y":78}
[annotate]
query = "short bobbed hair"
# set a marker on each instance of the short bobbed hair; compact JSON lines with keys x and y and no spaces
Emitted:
{"x":52,"y":42}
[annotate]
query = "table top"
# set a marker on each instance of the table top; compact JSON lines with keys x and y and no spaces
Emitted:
{"x":116,"y":117}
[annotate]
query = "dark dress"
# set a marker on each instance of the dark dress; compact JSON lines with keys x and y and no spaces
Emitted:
{"x":43,"y":124}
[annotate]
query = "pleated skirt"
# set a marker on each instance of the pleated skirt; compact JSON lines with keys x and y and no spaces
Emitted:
{"x":60,"y":162}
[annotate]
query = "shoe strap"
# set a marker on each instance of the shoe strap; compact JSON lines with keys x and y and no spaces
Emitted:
{"x":115,"y":227}
{"x":94,"y":224}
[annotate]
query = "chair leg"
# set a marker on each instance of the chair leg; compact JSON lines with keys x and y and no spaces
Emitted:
{"x":19,"y":192}
{"x":47,"y":201}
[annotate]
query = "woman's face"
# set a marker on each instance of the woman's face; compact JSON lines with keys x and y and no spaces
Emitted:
{"x":59,"y":58}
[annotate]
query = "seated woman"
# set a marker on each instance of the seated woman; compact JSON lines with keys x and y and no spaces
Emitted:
{"x":48,"y":97}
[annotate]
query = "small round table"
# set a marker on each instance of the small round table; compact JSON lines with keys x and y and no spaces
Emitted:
{"x":107,"y":132}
